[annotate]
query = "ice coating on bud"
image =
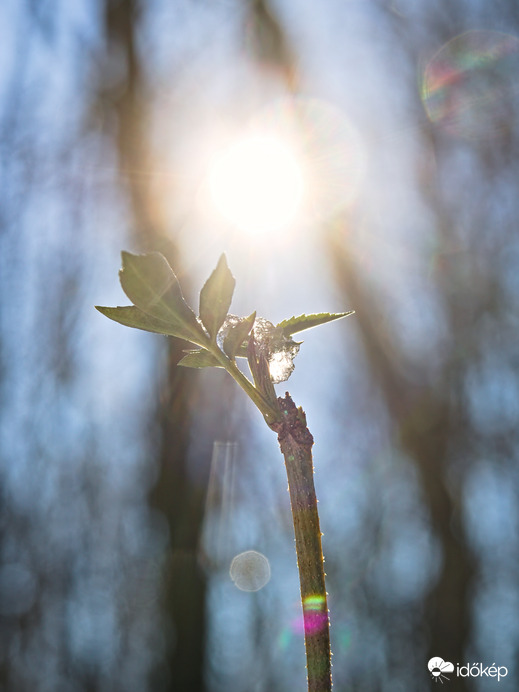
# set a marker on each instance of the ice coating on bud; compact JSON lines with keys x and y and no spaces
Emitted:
{"x":263,"y":330}
{"x":281,"y":362}
{"x":229,"y":322}
{"x":279,"y":350}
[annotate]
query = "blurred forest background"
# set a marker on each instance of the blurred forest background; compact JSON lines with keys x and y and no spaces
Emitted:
{"x":128,"y":485}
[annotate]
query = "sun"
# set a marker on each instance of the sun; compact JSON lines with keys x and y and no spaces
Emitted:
{"x":257,"y":184}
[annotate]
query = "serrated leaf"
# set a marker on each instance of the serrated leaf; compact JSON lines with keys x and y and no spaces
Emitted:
{"x":237,"y":334}
{"x":302,"y":322}
{"x":216,"y":296}
{"x":150,"y":283}
{"x":199,"y":359}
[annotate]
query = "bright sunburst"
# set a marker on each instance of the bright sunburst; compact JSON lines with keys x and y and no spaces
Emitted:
{"x":257,"y":184}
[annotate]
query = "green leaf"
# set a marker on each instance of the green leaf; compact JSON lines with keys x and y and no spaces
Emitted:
{"x":150,"y":283}
{"x":199,"y":359}
{"x":131,"y":316}
{"x":237,"y":334}
{"x":298,"y":324}
{"x":216,"y":296}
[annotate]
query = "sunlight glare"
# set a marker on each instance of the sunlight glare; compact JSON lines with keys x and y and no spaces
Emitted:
{"x":257,"y":184}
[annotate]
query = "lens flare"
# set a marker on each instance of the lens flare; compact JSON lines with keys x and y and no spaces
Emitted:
{"x":470,"y":88}
{"x":257,"y":184}
{"x":299,"y":162}
{"x":315,"y":613}
{"x":329,"y":148}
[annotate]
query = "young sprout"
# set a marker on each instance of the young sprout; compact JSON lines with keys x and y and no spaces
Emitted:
{"x":218,"y":339}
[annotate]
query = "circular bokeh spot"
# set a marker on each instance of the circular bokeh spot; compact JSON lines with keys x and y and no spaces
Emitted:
{"x":250,"y":571}
{"x":470,"y":88}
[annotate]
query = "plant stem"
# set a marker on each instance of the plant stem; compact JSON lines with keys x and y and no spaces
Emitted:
{"x":270,"y":414}
{"x":295,"y":441}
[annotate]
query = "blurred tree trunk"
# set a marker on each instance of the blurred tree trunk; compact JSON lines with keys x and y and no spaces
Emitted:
{"x":175,"y":494}
{"x":426,"y":422}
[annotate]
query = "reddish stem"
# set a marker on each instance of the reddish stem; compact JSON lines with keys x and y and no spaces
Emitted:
{"x":295,"y":441}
